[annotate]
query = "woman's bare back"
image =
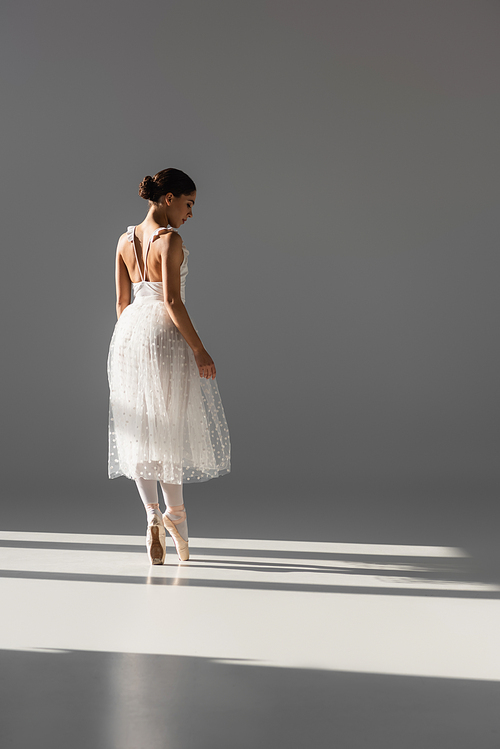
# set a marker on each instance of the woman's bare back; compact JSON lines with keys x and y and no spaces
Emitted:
{"x":125,"y":249}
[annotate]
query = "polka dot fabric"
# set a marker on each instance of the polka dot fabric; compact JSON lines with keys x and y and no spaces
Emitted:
{"x":165,"y":421}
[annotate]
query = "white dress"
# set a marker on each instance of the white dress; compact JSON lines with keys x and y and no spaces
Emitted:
{"x":165,"y":421}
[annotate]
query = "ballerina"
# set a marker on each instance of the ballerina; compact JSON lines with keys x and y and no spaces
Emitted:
{"x":166,"y":420}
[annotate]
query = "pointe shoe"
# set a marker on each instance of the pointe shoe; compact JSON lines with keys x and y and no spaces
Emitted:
{"x":155,"y":541}
{"x":181,"y":545}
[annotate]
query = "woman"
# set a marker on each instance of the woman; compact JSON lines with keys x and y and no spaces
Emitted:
{"x":166,"y":421}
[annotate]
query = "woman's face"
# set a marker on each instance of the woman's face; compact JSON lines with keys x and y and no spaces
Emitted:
{"x":179,"y":209}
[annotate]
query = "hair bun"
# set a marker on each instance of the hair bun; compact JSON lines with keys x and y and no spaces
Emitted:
{"x":168,"y":180}
{"x":148,"y":189}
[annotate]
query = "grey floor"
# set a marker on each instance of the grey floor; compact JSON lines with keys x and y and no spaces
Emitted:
{"x":371,"y":629}
{"x":74,"y":700}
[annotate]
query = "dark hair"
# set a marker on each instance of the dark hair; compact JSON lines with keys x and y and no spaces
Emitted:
{"x":168,"y":180}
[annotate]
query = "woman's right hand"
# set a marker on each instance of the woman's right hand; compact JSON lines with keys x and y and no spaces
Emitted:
{"x":206,"y":366}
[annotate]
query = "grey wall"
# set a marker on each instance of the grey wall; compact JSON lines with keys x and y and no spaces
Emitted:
{"x":343,"y":266}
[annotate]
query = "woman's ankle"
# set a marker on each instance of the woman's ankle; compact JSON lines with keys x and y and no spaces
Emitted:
{"x":175,"y":510}
{"x":152,"y":510}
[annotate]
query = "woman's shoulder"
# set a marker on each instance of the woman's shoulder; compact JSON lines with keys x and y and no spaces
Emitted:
{"x":169,"y":239}
{"x":123,"y":240}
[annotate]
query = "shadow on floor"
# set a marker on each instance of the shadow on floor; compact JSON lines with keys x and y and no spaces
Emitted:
{"x":128,"y":701}
{"x":393,"y":572}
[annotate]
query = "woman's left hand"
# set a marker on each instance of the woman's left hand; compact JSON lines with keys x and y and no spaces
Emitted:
{"x":206,"y":366}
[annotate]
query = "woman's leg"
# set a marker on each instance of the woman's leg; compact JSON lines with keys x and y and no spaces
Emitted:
{"x":175,"y":518}
{"x":172,"y":494}
{"x":155,"y":536}
{"x":148,"y":491}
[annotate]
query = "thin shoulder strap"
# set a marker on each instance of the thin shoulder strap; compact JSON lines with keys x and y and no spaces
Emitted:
{"x":131,"y":238}
{"x":153,"y":235}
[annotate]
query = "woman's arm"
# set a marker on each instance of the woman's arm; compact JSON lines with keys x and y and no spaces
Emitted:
{"x":171,"y":261}
{"x":123,"y":284}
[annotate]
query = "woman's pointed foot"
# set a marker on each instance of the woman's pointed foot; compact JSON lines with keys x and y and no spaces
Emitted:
{"x":176,"y":524}
{"x":155,"y":540}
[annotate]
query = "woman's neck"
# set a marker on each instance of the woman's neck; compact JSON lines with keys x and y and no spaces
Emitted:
{"x":156,"y":215}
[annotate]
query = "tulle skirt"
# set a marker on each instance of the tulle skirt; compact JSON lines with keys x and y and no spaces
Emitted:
{"x":165,"y":421}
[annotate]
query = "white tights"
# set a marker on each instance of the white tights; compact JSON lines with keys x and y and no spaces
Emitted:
{"x":172,"y":494}
{"x":148,"y":490}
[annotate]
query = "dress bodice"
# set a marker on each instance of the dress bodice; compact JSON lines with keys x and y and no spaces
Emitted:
{"x":153,"y":290}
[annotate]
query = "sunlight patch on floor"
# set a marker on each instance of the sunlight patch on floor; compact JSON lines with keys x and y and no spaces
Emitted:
{"x":276,"y":603}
